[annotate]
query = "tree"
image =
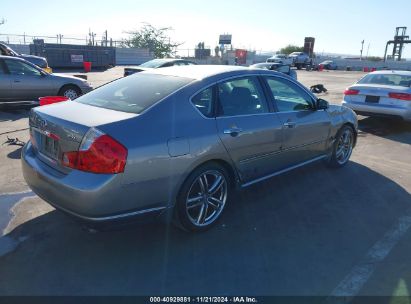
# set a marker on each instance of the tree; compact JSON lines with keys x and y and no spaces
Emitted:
{"x":154,"y":39}
{"x":374,"y":58}
{"x":291,"y":48}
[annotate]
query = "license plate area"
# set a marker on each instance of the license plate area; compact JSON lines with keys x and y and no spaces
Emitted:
{"x":372,"y":99}
{"x":48,"y":146}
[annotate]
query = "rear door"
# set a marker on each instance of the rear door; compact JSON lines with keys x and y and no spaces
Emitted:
{"x":305,"y":130}
{"x":27,"y":82}
{"x":248,"y":128}
{"x":5,"y":83}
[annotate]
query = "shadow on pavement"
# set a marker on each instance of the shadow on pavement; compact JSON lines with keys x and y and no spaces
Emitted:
{"x":296,"y":234}
{"x":393,"y":129}
{"x":16,"y":154}
{"x":12,"y":114}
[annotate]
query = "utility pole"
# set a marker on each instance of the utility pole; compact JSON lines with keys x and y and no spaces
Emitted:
{"x":59,"y":36}
{"x":362,"y":48}
{"x":368,"y":48}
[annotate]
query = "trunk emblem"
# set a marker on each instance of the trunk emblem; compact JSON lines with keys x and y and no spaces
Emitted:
{"x":42,"y":123}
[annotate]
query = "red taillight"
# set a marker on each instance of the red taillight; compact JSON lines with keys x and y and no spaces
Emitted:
{"x":351,"y":92}
{"x":402,"y":96}
{"x":101,"y":154}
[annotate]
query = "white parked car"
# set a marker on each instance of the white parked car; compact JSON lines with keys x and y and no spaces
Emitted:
{"x":280,"y":58}
{"x":381,"y":93}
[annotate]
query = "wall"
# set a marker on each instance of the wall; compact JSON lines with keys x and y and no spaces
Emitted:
{"x":20,"y":48}
{"x":132,"y":56}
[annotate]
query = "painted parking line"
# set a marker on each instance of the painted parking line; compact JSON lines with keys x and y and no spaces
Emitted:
{"x":7,"y":201}
{"x":351,"y":285}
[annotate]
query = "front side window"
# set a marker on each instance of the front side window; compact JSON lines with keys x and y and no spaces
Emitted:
{"x":288,"y":96}
{"x":16,"y":67}
{"x":134,"y":94}
{"x":242,"y":96}
{"x":203,"y":101}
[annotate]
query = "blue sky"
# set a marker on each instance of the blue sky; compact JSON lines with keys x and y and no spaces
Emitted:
{"x":338,"y":26}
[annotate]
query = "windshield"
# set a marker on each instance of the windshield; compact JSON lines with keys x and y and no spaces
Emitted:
{"x":153,"y":63}
{"x":135,"y":93}
{"x":387,"y":79}
{"x":261,"y":65}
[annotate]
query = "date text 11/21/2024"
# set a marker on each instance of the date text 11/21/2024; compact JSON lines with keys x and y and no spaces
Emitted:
{"x":203,"y":300}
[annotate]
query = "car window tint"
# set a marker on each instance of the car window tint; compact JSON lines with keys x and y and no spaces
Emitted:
{"x":288,"y":96}
{"x":135,"y":93}
{"x":241,"y":97}
{"x":203,"y":101}
{"x":20,"y":68}
{"x":283,"y":69}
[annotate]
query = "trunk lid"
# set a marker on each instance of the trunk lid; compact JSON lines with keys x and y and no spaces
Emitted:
{"x":60,"y":128}
{"x":377,"y":94}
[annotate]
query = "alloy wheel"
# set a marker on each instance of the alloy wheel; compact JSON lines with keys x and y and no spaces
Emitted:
{"x":344,"y":146}
{"x":206,"y":198}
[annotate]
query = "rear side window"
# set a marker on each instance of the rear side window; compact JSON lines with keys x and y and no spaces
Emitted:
{"x":203,"y":101}
{"x":134,"y":93}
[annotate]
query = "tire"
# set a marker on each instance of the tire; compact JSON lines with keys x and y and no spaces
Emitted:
{"x":342,"y":148}
{"x":70,"y":91}
{"x":298,"y":66}
{"x":206,"y":204}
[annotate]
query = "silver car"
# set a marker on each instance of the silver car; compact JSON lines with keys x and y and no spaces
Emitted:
{"x":381,"y":93}
{"x":21,"y":80}
{"x":179,"y":140}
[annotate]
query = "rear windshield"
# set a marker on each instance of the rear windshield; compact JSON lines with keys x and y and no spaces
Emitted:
{"x":387,"y":79}
{"x":134,"y":93}
{"x":155,"y":63}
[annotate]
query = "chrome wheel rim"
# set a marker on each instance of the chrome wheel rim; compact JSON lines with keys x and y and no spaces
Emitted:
{"x":344,"y":147}
{"x":206,"y":198}
{"x":70,"y":93}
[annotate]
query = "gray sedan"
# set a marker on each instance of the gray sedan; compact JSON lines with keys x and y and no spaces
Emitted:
{"x":381,"y":93}
{"x":21,"y":80}
{"x":179,"y":140}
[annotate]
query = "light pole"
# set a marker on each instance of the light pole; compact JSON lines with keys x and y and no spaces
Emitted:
{"x":362,"y":48}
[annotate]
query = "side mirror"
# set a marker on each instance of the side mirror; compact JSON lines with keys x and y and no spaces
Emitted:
{"x":321,"y":104}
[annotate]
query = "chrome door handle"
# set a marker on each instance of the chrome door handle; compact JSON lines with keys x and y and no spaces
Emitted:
{"x":289,"y":124}
{"x":16,"y":80}
{"x":233,"y":131}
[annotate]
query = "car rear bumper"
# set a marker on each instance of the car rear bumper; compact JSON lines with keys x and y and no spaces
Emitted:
{"x":93,"y":198}
{"x":379,"y":109}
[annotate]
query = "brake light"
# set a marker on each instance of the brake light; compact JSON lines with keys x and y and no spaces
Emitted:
{"x":351,"y":92}
{"x":98,"y":153}
{"x":402,"y":96}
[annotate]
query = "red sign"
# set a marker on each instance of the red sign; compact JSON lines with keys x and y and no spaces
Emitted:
{"x":241,"y":56}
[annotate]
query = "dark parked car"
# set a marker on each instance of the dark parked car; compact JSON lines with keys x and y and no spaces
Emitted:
{"x":179,"y":140}
{"x":278,"y":67}
{"x":21,"y":80}
{"x":39,"y":61}
{"x":157,"y":63}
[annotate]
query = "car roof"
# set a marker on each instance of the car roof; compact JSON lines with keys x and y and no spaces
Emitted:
{"x":197,"y":71}
{"x":392,"y":72}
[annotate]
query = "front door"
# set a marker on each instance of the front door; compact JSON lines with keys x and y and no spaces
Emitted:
{"x":248,"y":129}
{"x":305,"y":130}
{"x":27,"y":82}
